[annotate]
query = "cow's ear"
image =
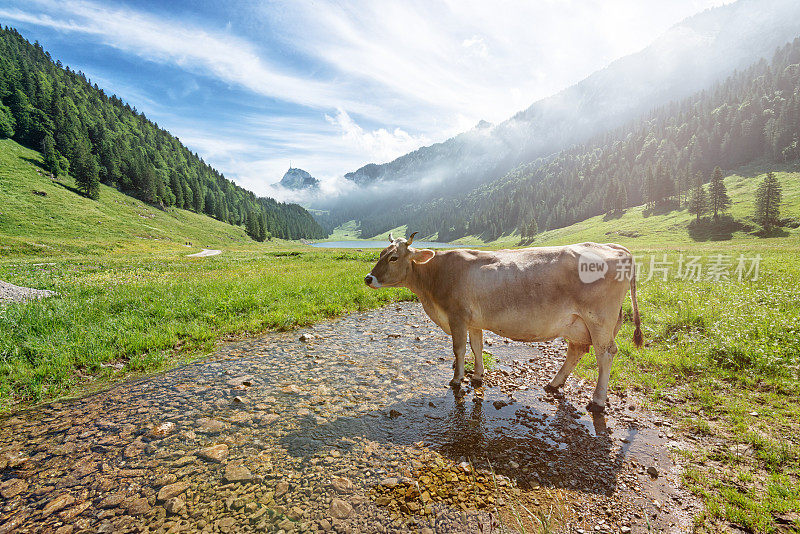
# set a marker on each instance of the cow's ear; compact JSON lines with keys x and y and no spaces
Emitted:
{"x":423,"y":256}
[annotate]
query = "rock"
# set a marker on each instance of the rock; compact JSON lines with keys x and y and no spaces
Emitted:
{"x":57,"y":504}
{"x":499,"y":404}
{"x":291,"y":389}
{"x":211,"y":426}
{"x":13,"y":487}
{"x":652,"y":471}
{"x":71,"y":513}
{"x":237,"y":473}
{"x":389,"y":482}
{"x":281,"y":488}
{"x":172,"y":490}
{"x":163,"y":480}
{"x":394,"y":413}
{"x":238,"y":399}
{"x":214,"y":453}
{"x":625,"y":529}
{"x":175,"y":505}
{"x":295,"y":513}
{"x":340,"y":509}
{"x":513,"y":465}
{"x":226,"y":523}
{"x":113,"y":500}
{"x":65,"y":529}
{"x":138,"y":506}
{"x":162,"y":430}
{"x":305,"y":338}
{"x":245,"y":381}
{"x":325,"y":525}
{"x":285,"y":525}
{"x":342,"y":484}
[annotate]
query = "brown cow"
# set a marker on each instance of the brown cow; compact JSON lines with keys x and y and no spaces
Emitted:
{"x":531,"y":294}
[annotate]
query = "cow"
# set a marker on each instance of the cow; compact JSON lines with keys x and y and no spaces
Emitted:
{"x":574,"y":292}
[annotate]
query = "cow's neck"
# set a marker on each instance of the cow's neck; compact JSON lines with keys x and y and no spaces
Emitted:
{"x":422,"y":279}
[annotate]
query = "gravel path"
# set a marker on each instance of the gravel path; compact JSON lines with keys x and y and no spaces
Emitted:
{"x":347,"y":426}
{"x":11,"y":293}
{"x":204,"y":253}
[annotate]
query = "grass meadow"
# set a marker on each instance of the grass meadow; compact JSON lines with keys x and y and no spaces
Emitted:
{"x":722,"y":357}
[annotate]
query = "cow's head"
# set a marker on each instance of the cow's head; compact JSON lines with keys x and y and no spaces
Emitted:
{"x":395,"y":263}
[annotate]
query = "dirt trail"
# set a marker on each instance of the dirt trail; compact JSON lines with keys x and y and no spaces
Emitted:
{"x":204,"y":253}
{"x":346,"y":426}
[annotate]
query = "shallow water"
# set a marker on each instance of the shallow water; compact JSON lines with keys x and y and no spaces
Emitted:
{"x":363,"y":399}
{"x":380,"y":244}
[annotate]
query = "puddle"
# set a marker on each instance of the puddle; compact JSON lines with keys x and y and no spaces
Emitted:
{"x":277,"y":434}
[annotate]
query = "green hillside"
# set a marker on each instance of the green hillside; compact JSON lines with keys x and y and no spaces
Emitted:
{"x":100,"y":139}
{"x":62,"y":221}
{"x":638,"y":227}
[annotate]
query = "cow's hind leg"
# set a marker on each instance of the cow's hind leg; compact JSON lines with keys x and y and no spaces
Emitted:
{"x":459,"y":333}
{"x":476,"y":342}
{"x":605,"y":353}
{"x":575,"y":352}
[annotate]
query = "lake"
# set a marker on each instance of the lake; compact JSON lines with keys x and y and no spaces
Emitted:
{"x":380,"y":244}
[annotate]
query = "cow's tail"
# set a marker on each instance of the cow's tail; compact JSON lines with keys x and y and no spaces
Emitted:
{"x":638,"y":339}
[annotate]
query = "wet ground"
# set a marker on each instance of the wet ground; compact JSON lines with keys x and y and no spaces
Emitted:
{"x":347,"y":426}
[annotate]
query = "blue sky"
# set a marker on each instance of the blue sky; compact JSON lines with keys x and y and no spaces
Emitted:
{"x":330,"y":86}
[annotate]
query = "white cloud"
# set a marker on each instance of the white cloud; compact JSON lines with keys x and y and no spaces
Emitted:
{"x":415,"y":71}
{"x":378,"y":145}
{"x":477,"y":46}
{"x":220,"y":55}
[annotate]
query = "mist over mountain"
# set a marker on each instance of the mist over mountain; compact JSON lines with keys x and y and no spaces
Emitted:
{"x":692,"y":55}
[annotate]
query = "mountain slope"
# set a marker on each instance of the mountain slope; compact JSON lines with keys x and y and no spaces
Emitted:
{"x":694,"y":53}
{"x":99,"y":138}
{"x":753,"y":115}
{"x":45,"y":217}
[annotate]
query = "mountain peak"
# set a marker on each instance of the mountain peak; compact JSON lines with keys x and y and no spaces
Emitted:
{"x":298,"y":179}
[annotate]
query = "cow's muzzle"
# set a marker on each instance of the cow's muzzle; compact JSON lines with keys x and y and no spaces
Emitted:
{"x":369,"y":279}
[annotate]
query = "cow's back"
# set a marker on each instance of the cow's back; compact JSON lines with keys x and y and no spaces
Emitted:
{"x":542,"y":285}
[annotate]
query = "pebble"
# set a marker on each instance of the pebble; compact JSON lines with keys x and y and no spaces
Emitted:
{"x":57,"y":504}
{"x":172,"y":490}
{"x":340,"y":509}
{"x":214,"y":453}
{"x":237,"y":473}
{"x":12,"y":487}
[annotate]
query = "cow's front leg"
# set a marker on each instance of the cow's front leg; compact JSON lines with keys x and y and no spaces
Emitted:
{"x":604,"y":360}
{"x":476,"y":343}
{"x":459,"y":333}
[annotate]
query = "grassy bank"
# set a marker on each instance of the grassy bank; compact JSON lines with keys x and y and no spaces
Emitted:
{"x":147,"y":310}
{"x":723,"y":359}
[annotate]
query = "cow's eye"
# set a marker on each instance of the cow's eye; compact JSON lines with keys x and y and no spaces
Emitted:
{"x":393,"y":258}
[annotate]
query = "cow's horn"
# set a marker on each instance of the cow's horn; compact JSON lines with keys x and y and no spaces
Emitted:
{"x":391,"y":237}
{"x":411,"y":238}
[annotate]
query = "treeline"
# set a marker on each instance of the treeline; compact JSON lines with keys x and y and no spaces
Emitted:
{"x":100,"y":139}
{"x":752,"y":115}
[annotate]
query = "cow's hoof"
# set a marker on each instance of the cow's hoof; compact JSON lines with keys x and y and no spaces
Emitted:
{"x":551,"y":390}
{"x":595,"y":408}
{"x":455,"y":384}
{"x":476,"y":382}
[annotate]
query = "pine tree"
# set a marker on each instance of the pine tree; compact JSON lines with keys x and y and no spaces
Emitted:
{"x":698,"y":204}
{"x":719,"y":200}
{"x":50,"y":156}
{"x":84,"y":169}
{"x":768,"y":202}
